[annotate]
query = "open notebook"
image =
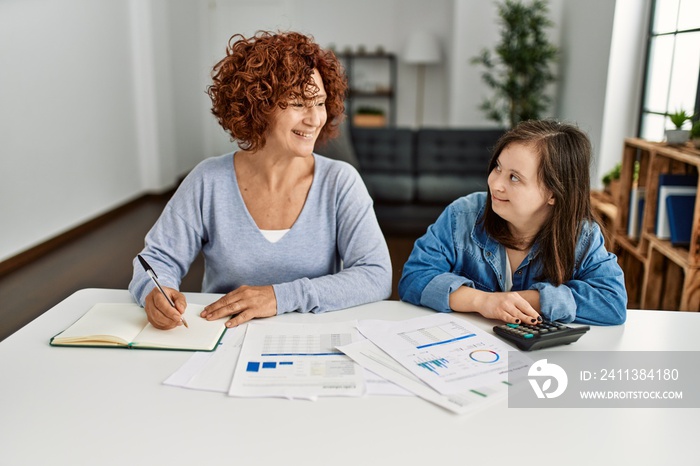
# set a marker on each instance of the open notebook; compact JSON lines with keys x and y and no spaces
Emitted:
{"x":125,"y":325}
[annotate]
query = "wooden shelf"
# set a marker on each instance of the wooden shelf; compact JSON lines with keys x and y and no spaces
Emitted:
{"x":379,"y":94}
{"x":658,"y":275}
{"x":631,"y":246}
{"x":602,"y":203}
{"x":384,"y":94}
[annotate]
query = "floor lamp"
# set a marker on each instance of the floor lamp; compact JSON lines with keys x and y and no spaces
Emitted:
{"x":422,"y":49}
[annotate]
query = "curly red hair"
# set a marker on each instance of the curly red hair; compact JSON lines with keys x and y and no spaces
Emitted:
{"x":263,"y":73}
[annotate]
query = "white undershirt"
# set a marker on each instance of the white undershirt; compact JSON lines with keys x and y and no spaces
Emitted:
{"x":274,"y":235}
{"x":508,"y":283}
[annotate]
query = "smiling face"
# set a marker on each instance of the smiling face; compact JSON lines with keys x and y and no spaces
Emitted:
{"x":294,"y":129}
{"x":517,"y":195}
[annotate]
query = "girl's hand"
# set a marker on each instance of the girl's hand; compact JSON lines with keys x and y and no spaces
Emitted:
{"x":510,"y":307}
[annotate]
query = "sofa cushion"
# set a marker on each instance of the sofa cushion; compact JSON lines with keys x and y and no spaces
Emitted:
{"x":390,"y":188}
{"x":339,"y":148}
{"x":455,"y":151}
{"x":410,"y":220}
{"x":452,"y":163}
{"x":384,"y":150}
{"x":386,"y":163}
{"x":443,"y":189}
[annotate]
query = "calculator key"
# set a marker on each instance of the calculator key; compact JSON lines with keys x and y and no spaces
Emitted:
{"x":530,"y":337}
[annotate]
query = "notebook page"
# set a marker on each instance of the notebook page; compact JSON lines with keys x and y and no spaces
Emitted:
{"x":121,"y":320}
{"x":201,"y":335}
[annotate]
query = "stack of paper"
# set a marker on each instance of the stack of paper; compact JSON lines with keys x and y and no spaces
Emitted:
{"x":440,"y":357}
{"x":278,"y":360}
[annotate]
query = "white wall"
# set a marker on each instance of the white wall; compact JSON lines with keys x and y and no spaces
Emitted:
{"x":601,"y":73}
{"x":342,"y":23}
{"x":473,"y":23}
{"x":586,"y":40}
{"x":189,"y":66}
{"x":68,"y":147}
{"x":624,"y":84}
{"x":103,"y":101}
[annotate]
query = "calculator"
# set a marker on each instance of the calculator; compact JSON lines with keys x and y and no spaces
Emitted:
{"x":543,"y":335}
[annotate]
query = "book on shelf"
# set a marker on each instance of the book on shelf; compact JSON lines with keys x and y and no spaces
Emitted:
{"x":634,"y":222}
{"x":672,"y":185}
{"x":680,"y":218}
{"x":125,"y":325}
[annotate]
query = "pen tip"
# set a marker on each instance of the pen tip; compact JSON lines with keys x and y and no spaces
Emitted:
{"x":143,"y":262}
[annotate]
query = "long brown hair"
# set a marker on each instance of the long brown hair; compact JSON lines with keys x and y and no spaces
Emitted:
{"x":565,"y":157}
{"x":264,"y":72}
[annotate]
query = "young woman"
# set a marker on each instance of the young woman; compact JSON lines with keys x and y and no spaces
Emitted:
{"x":282,"y":229}
{"x":528,"y":248}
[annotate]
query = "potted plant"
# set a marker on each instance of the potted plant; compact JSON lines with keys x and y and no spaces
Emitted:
{"x":369,"y":116}
{"x":611,"y":181}
{"x":678,"y":135}
{"x":520,"y":67}
{"x":695,"y":134}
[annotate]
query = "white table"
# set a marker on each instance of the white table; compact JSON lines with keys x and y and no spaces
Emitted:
{"x":107,"y":406}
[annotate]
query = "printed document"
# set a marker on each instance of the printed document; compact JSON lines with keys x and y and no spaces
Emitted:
{"x":211,"y":371}
{"x":297,"y":361}
{"x":448,"y":353}
{"x":377,"y":385}
{"x":371,"y":357}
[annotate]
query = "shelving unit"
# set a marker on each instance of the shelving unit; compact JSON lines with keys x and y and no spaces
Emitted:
{"x":658,"y":275}
{"x":603,"y":204}
{"x":362,"y":90}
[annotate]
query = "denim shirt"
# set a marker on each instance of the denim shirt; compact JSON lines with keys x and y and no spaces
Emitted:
{"x":456,"y":251}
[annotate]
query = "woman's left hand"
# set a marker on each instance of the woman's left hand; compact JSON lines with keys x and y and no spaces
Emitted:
{"x":244,"y":304}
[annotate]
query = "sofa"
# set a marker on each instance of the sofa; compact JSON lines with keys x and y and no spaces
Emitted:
{"x":412,"y":175}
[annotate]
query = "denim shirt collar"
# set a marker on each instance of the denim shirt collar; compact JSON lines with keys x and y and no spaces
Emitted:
{"x":494,"y":252}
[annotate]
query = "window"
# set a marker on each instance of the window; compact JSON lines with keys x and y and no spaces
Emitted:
{"x":673,"y":65}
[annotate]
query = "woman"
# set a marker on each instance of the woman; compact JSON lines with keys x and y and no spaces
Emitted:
{"x":529,"y":247}
{"x":281,"y":229}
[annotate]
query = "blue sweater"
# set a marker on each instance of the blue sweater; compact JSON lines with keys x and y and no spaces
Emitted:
{"x":456,"y":251}
{"x":333,"y":257}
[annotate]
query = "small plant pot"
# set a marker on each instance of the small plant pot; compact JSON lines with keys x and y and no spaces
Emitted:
{"x":369,"y":120}
{"x":677,"y":136}
{"x":613,"y":188}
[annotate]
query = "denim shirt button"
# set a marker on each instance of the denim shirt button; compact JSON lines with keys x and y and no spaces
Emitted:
{"x":488,"y":254}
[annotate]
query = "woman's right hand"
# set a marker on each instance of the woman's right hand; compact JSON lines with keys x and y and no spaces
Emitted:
{"x":159,"y":311}
{"x":510,"y":306}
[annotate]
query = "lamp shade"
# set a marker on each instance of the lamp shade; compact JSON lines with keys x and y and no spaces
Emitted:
{"x":423,"y":48}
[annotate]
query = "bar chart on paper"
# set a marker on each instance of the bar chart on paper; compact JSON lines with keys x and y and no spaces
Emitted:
{"x":433,"y":365}
{"x":294,"y":361}
{"x":445,"y":352}
{"x":280,"y":352}
{"x":376,"y":360}
{"x":450,"y":333}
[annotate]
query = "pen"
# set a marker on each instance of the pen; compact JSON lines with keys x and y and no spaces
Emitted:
{"x":152,"y":273}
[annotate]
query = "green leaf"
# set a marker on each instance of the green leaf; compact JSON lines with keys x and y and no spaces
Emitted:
{"x":520,"y":67}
